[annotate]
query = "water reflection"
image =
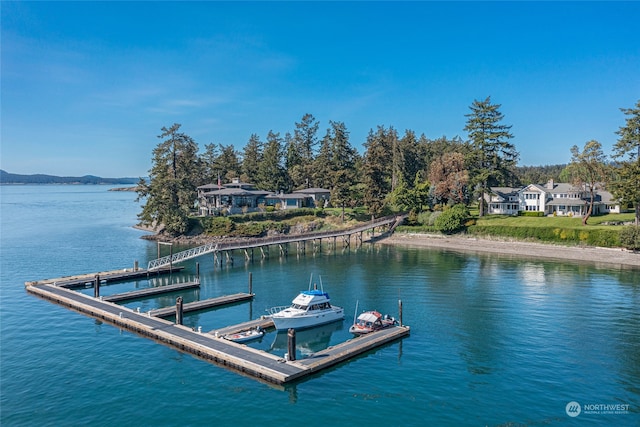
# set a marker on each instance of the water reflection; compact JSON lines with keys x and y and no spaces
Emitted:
{"x":308,"y":341}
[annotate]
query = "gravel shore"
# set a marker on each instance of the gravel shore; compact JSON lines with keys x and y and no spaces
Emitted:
{"x":605,"y":256}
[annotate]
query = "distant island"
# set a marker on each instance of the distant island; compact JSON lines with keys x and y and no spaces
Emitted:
{"x":13,"y":178}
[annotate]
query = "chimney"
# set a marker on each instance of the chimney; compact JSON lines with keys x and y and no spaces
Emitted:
{"x":550,"y":184}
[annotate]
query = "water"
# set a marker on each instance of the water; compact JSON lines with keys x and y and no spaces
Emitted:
{"x":494,"y":340}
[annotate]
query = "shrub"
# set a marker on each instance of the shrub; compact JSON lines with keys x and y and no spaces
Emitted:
{"x":452,"y":219}
{"x":218,"y":226}
{"x":630,"y":237}
{"x":532,"y":213}
{"x":250,"y":229}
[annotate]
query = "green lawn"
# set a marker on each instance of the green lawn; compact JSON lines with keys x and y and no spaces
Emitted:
{"x":560,"y":222}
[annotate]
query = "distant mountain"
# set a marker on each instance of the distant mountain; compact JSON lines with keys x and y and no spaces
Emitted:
{"x":14,"y":178}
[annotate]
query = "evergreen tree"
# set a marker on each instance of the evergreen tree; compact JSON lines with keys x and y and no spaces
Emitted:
{"x":306,"y":137}
{"x":291,"y":163}
{"x":301,"y":152}
{"x":493,"y":157}
{"x":209,"y":159}
{"x":271,"y":173}
{"x":219,"y":164}
{"x":170,"y":193}
{"x":229,"y":163}
{"x":377,"y":170}
{"x":251,"y":159}
{"x":626,"y":186}
{"x":412,"y":157}
{"x":342,"y":165}
{"x":322,"y":164}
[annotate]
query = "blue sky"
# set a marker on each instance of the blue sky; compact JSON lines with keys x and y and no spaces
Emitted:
{"x":87,"y":86}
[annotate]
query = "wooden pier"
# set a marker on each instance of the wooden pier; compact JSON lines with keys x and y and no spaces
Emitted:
{"x":241,"y":358}
{"x":203,"y":304}
{"x":223,"y":251}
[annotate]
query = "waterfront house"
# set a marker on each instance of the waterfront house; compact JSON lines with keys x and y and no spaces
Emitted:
{"x":240,"y":197}
{"x":558,"y":199}
{"x":231,"y":198}
{"x":319,"y":196}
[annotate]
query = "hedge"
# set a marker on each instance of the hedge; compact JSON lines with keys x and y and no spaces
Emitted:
{"x":579,"y":236}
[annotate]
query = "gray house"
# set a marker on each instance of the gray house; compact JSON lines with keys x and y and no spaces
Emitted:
{"x":239,"y":197}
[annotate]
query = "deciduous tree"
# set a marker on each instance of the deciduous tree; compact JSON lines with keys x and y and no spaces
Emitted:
{"x":449,"y":179}
{"x":588,"y":169}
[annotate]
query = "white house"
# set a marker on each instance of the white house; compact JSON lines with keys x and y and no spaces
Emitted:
{"x":559,"y":199}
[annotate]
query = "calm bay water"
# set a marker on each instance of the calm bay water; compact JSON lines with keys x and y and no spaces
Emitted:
{"x":494,"y":340}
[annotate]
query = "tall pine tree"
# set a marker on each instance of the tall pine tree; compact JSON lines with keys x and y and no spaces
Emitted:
{"x":626,"y":185}
{"x":170,"y":193}
{"x":251,"y":159}
{"x":493,"y":157}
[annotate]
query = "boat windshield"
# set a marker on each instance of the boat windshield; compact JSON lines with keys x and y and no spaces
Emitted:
{"x":321,"y":306}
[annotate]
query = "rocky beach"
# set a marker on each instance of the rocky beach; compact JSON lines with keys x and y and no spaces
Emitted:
{"x":605,"y":256}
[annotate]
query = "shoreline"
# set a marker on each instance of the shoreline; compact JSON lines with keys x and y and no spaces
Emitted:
{"x":608,"y":257}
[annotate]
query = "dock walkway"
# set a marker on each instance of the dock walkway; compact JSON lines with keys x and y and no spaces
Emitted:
{"x":203,"y":304}
{"x":244,"y":359}
{"x":150,"y":292}
{"x":111,"y":276}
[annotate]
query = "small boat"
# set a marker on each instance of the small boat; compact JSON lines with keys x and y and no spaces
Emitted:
{"x":244,"y":336}
{"x":310,"y":308}
{"x":371,"y":321}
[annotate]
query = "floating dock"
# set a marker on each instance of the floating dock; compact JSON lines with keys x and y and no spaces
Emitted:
{"x":150,"y":292}
{"x":203,"y":304}
{"x":88,"y":280}
{"x":212,"y":347}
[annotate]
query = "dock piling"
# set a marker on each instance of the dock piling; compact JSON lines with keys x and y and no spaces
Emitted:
{"x":179,"y":311}
{"x":250,"y":283}
{"x":400,"y":311}
{"x":291,"y":344}
{"x":96,"y":287}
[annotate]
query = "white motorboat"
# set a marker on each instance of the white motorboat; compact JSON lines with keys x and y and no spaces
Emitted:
{"x":244,"y":336}
{"x":310,"y":308}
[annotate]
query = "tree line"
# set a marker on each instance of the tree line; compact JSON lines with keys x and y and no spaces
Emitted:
{"x":396,"y":172}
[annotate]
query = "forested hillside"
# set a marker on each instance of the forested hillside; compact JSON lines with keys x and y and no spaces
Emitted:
{"x":13,"y":178}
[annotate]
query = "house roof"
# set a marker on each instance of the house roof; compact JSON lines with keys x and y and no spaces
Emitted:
{"x":235,"y":192}
{"x":286,"y":196}
{"x":313,"y":190}
{"x":505,"y":191}
{"x":207,"y":186}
